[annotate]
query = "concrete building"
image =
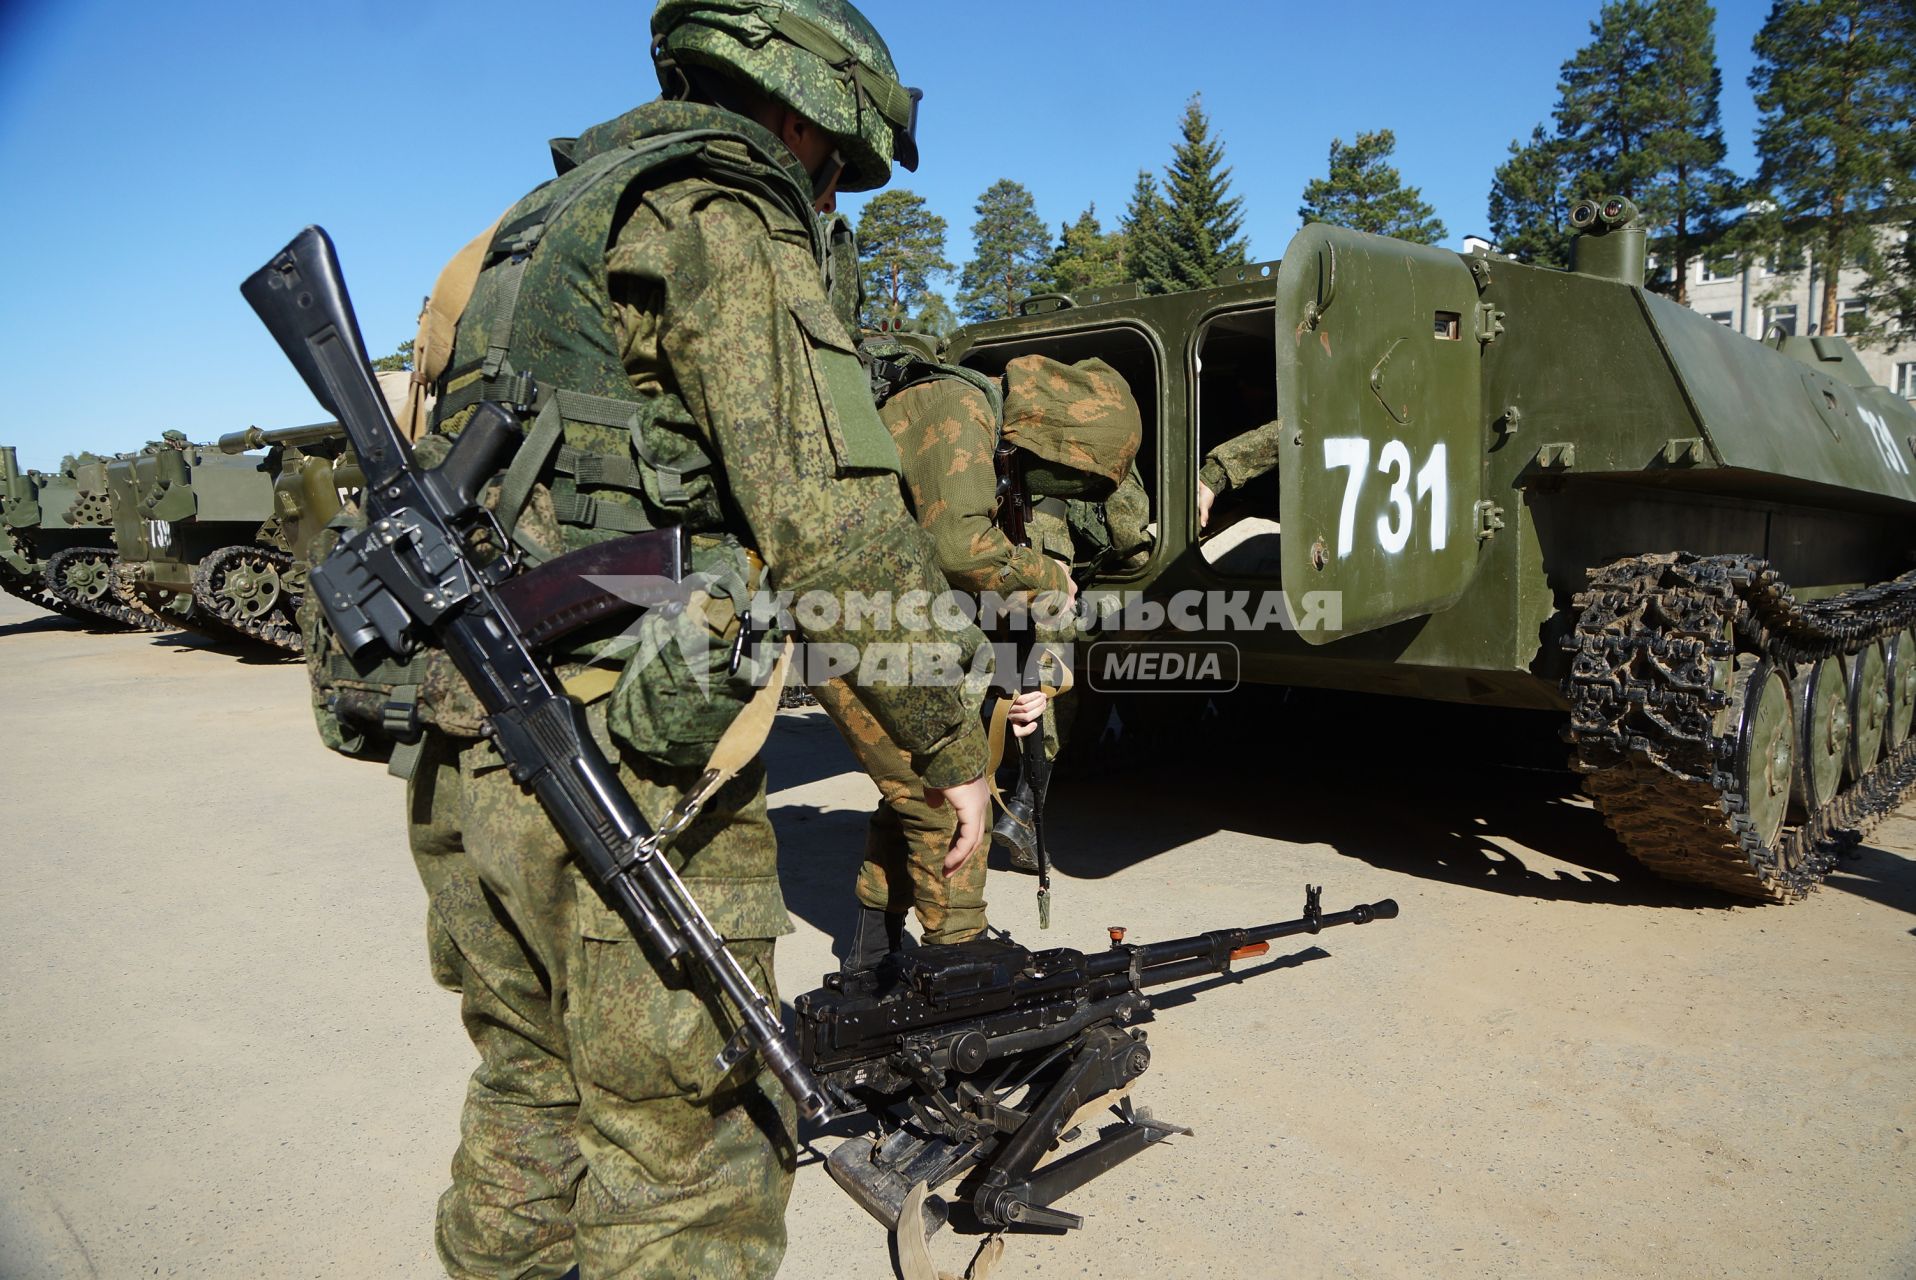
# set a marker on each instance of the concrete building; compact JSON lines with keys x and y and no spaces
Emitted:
{"x":1780,"y":294}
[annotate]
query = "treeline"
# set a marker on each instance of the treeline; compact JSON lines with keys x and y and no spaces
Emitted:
{"x":1637,"y":115}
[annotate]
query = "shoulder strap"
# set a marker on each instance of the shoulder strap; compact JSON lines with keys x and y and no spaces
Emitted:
{"x":894,"y":371}
{"x":438,"y":322}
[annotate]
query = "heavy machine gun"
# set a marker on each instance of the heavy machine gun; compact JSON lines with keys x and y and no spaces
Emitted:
{"x":976,"y":1059}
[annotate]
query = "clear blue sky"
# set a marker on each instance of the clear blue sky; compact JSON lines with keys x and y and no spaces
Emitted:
{"x":157,"y":153}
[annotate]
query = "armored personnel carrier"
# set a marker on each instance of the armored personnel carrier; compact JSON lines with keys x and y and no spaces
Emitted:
{"x":1503,"y":484}
{"x":56,"y":541}
{"x":199,"y":546}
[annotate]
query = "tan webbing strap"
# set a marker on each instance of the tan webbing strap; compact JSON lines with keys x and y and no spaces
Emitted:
{"x":913,"y":1250}
{"x":439,"y":322}
{"x":998,"y":731}
{"x":749,"y":728}
{"x":736,"y":749}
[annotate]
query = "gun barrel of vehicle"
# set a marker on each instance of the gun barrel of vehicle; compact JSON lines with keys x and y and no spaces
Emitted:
{"x":1160,"y":962}
{"x":256,"y":438}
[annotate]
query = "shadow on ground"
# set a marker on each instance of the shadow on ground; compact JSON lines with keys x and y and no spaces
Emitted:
{"x":247,"y":652}
{"x":52,"y":622}
{"x":1460,"y":795}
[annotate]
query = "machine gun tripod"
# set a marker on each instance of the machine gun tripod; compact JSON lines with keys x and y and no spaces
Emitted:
{"x":975,"y":1060}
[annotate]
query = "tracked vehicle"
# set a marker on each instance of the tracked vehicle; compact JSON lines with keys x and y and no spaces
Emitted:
{"x":1516,"y":486}
{"x":199,"y":544}
{"x":56,"y":541}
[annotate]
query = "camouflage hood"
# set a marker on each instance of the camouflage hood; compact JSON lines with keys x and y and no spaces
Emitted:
{"x":1082,"y":418}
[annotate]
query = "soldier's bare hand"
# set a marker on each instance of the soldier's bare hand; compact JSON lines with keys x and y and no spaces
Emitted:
{"x":1027,"y":712}
{"x":1205,"y":499}
{"x":971,"y":802}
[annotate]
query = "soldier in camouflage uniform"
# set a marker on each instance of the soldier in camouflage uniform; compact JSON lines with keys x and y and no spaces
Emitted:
{"x":947,"y":428}
{"x":1234,"y":464}
{"x":692,"y":374}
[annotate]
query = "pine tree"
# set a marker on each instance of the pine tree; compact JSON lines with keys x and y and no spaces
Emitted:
{"x":1086,"y":257}
{"x":1835,"y":84}
{"x":934,"y":316}
{"x":1366,"y":193}
{"x":1889,"y":291}
{"x":1637,"y":116}
{"x":398,"y":361}
{"x":1201,"y":219}
{"x":902,"y":245}
{"x":1529,"y":202}
{"x":1008,"y":261}
{"x":1143,"y":231}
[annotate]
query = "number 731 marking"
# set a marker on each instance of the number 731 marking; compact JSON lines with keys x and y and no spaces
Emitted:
{"x":1393,"y":460}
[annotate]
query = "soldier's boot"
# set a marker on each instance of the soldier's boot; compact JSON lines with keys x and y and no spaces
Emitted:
{"x":877,"y":934}
{"x":1015,"y":831}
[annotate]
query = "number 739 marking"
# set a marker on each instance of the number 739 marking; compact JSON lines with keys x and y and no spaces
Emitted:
{"x":1393,"y":460}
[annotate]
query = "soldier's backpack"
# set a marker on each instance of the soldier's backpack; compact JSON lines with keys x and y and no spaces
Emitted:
{"x":1079,"y":428}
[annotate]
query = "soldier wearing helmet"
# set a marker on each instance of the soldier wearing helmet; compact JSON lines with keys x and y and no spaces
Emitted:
{"x":660,"y":307}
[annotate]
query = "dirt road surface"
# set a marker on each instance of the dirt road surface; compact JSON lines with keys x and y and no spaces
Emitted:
{"x":221,"y":1054}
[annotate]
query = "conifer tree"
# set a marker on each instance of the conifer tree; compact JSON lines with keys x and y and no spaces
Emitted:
{"x":399,"y":361}
{"x":1087,"y":257}
{"x":1637,"y":116}
{"x":1364,"y":192}
{"x":1143,"y":232}
{"x":1835,"y":84}
{"x":934,"y":316}
{"x":1010,"y":252}
{"x":1529,"y":202}
{"x":901,"y":243}
{"x":1200,"y":220}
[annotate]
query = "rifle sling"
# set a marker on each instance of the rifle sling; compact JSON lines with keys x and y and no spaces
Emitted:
{"x":998,"y":732}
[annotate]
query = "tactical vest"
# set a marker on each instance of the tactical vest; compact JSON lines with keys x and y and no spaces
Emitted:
{"x":599,"y":460}
{"x":538,"y":331}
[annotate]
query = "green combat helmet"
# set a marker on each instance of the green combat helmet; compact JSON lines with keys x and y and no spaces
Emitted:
{"x":821,"y":58}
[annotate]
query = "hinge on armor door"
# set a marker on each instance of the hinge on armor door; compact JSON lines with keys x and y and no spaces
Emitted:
{"x":1490,"y":322}
{"x":1490,"y":518}
{"x":1680,"y":452}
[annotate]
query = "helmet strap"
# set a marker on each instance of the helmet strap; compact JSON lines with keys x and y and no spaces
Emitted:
{"x":827,"y":175}
{"x":674,"y":84}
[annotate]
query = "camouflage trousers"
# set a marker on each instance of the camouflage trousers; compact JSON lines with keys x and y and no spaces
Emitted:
{"x":906,"y":839}
{"x":596,"y":1131}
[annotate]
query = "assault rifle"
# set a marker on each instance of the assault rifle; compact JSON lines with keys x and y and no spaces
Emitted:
{"x":976,"y":1059}
{"x":413,"y":575}
{"x":1022,"y":825}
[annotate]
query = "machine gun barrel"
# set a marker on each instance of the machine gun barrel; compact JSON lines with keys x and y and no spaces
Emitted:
{"x":256,"y":438}
{"x":1160,"y":962}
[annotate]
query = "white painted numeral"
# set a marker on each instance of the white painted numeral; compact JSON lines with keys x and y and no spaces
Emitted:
{"x":1394,"y":460}
{"x":1352,"y":452}
{"x":1394,"y":534}
{"x":1885,"y":441}
{"x":1433,"y":482}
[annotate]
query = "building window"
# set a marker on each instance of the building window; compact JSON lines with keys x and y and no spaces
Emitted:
{"x":1906,"y":379}
{"x":1851,"y":317}
{"x":1714,"y":270}
{"x":1725,"y":318}
{"x":1780,"y":317}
